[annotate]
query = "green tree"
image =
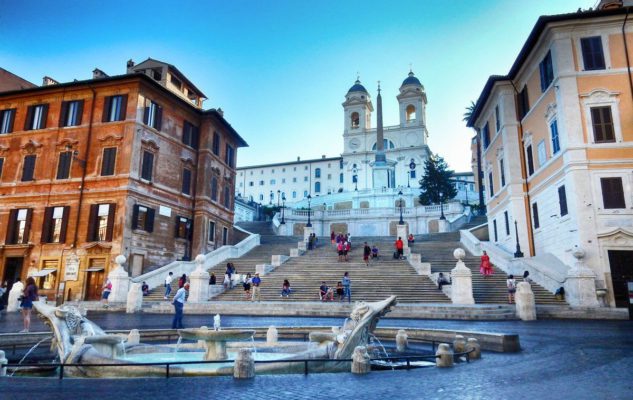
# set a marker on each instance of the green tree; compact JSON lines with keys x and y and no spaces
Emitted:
{"x":436,"y":180}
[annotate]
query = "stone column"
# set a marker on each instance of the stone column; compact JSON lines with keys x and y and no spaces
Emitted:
{"x":402,"y":341}
{"x":459,"y":344}
{"x":462,"y":285}
{"x":120,"y":281}
{"x":360,"y":361}
{"x":403,"y":232}
{"x":524,"y":299}
{"x":133,"y":338}
{"x":307,"y":231}
{"x":134,"y":298}
{"x":580,"y":286}
{"x":445,"y":354}
{"x":3,"y":363}
{"x":442,"y":225}
{"x":244,"y":367}
{"x":199,"y":282}
{"x":473,"y":345}
{"x":14,"y":294}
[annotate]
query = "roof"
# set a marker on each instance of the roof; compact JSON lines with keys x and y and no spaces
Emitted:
{"x":411,"y":80}
{"x":10,"y":81}
{"x":290,"y":163}
{"x":357,"y":87}
{"x":177,"y":71}
{"x":529,"y":45}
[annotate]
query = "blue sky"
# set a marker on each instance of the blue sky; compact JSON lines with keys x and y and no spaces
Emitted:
{"x":280,"y":69}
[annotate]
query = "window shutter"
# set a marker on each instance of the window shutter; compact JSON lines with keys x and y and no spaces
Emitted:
{"x":189,"y":229}
{"x":29,"y":118}
{"x":107,"y":104}
{"x":28,"y":168}
{"x":44,"y":116}
{"x":186,"y":133}
{"x":123,"y":114}
{"x":562,"y":200}
{"x":63,"y":168}
{"x":158,"y":123}
{"x":135,"y":217}
{"x":64,"y":229}
{"x":80,"y":111}
{"x":146,"y":168}
{"x":146,"y":115}
{"x":177,"y":225}
{"x":195,"y":137}
{"x":12,"y":119}
{"x":13,"y":214}
{"x":46,"y":225}
{"x":535,"y":215}
{"x":149,"y":221}
{"x":92,"y":223}
{"x":27,"y":226}
{"x":62,"y":114}
{"x":111,"y":213}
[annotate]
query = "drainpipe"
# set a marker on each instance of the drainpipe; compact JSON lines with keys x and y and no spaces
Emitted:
{"x":626,"y":53}
{"x":524,"y":177}
{"x":479,"y":172}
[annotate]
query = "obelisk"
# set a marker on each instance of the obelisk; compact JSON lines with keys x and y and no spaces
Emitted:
{"x":382,"y":170}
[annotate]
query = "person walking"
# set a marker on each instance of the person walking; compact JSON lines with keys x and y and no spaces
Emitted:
{"x":332,"y":237}
{"x":399,"y":248}
{"x":512,"y":288}
{"x":340,"y":250}
{"x":347,"y":287}
{"x":179,"y":304}
{"x":107,"y":288}
{"x":168,"y":279}
{"x":256,"y":282}
{"x":366,"y":254}
{"x":485,"y":268}
{"x":247,"y":286}
{"x":182,"y":280}
{"x":29,"y":295}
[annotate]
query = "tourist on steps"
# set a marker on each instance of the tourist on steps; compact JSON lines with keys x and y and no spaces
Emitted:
{"x":366,"y":253}
{"x":168,"y":279}
{"x":339,"y":249}
{"x":347,"y":287}
{"x":247,"y":286}
{"x":442,"y":280}
{"x":145,"y":288}
{"x":107,"y":288}
{"x":410,"y":239}
{"x":29,"y":295}
{"x":179,"y":304}
{"x":374,"y":252}
{"x":400,"y":248}
{"x":325,"y":292}
{"x":256,"y":281}
{"x":332,"y":237}
{"x":512,"y":288}
{"x":340,"y":292}
{"x":485,"y":267}
{"x":285,"y":289}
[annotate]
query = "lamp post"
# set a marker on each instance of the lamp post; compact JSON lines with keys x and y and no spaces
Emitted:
{"x":518,"y":253}
{"x":401,"y":222}
{"x":408,"y":178}
{"x":283,"y":207}
{"x":309,"y":224}
{"x":272,"y":196}
{"x":442,"y":206}
{"x":278,"y":195}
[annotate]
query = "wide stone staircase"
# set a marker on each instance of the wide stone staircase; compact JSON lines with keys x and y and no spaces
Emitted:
{"x":438,"y":248}
{"x":383,"y":278}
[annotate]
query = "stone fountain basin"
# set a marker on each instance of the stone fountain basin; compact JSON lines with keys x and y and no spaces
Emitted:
{"x":216,"y":336}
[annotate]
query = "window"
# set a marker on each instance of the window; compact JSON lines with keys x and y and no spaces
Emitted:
{"x":175,"y":81}
{"x":340,"y":178}
{"x":283,"y":180}
{"x":63,"y":165}
{"x":225,"y":236}
{"x":553,"y":127}
{"x":305,"y":193}
{"x":562,"y":200}
{"x":494,"y":225}
{"x":497,"y":119}
{"x":305,"y":167}
{"x":535,"y":216}
{"x":602,"y":123}
{"x":530,"y":160}
{"x":485,"y":135}
{"x":294,"y":194}
{"x":387,"y":145}
{"x":490,"y":185}
{"x":592,"y":53}
{"x":273,"y":182}
{"x":523,"y":102}
{"x":7,"y":117}
{"x":329,"y":176}
{"x":28,"y":168}
{"x":507,"y":221}
{"x":283,"y":170}
{"x":147,"y":165}
{"x":502,"y":173}
{"x":114,"y":108}
{"x":354,"y":178}
{"x":186,"y":181}
{"x":547,"y":71}
{"x":101,"y":222}
{"x":71,"y":113}
{"x":340,"y":164}
{"x":261,"y":183}
{"x":305,"y":178}
{"x":612,"y":193}
{"x":19,"y":226}
{"x":190,"y":135}
{"x":184,"y":228}
{"x":1,"y":166}
{"x":542,"y":153}
{"x":216,"y":145}
{"x":153,"y":115}
{"x":317,"y":187}
{"x":272,"y":171}
{"x":36,"y":117}
{"x":143,"y":218}
{"x":214,"y":188}
{"x":355,"y":120}
{"x":108,"y":161}
{"x":412,"y":173}
{"x":294,"y":179}
{"x":261,"y":197}
{"x":251,"y":183}
{"x":211,"y":233}
{"x":317,"y":173}
{"x":227,"y":197}
{"x":229,"y":157}
{"x":410,"y":113}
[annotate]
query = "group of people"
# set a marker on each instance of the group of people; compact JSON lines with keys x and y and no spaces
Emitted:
{"x":485,"y":268}
{"x":343,"y":290}
{"x":312,"y":241}
{"x":343,"y":245}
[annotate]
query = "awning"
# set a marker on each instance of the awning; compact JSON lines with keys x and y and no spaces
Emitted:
{"x":94,"y":269}
{"x":43,"y":272}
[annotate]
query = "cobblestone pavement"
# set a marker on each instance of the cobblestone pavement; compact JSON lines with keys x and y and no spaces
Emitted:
{"x":560,"y":359}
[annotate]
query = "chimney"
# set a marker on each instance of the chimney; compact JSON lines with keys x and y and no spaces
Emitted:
{"x":98,"y":74}
{"x":323,"y":156}
{"x":130,"y":63}
{"x":298,"y":158}
{"x":221,"y":112}
{"x":48,"y":81}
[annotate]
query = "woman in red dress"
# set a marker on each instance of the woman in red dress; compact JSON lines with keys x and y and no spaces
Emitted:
{"x":485,"y":267}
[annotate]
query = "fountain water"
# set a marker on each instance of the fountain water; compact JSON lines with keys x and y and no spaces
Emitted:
{"x":177,"y":346}
{"x":29,"y":353}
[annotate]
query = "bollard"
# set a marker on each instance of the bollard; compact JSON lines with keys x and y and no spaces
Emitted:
{"x":473,"y":345}
{"x":445,"y":354}
{"x":402,"y":341}
{"x":524,"y":299}
{"x":134,"y":338}
{"x":244,"y":367}
{"x":272,"y":335}
{"x":360,"y":361}
{"x":3,"y":364}
{"x":459,"y":344}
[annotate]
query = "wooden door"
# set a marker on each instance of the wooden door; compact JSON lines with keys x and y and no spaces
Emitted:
{"x":95,"y":278}
{"x":621,"y":263}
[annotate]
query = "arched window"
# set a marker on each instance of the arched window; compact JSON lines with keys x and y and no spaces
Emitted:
{"x":355,"y":120}
{"x":317,"y":173}
{"x":317,"y":187}
{"x":388,"y":145}
{"x":410,"y":113}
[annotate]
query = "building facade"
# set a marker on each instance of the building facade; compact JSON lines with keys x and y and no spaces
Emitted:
{"x":556,"y":138}
{"x":107,"y":166}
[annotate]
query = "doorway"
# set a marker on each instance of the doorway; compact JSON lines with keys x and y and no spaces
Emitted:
{"x":621,"y":264}
{"x":95,"y":275}
{"x":12,"y":270}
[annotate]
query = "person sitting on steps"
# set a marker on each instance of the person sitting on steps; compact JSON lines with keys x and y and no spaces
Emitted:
{"x":325,"y":292}
{"x":442,"y":280}
{"x":374,"y":252}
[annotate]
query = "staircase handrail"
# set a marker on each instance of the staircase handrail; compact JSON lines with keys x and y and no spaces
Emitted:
{"x":156,"y":278}
{"x":472,"y":244}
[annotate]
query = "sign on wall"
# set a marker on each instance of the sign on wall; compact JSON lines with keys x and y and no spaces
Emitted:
{"x":71,"y":270}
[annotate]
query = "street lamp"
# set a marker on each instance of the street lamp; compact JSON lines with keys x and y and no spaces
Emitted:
{"x":442,"y":206}
{"x":283,"y":207}
{"x":408,"y":177}
{"x":518,"y":253}
{"x":401,"y":222}
{"x":272,"y":196}
{"x":278,"y":194}
{"x":309,"y":224}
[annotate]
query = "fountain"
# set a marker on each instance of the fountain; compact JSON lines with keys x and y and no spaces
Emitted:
{"x":215,"y":341}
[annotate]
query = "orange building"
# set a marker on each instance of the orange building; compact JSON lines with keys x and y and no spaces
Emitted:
{"x":128,"y":164}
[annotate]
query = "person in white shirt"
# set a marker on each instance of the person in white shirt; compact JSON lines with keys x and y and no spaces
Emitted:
{"x":179,"y":303}
{"x":168,"y":279}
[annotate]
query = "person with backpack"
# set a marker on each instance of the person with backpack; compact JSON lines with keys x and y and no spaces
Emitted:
{"x":512,"y":288}
{"x":29,"y":295}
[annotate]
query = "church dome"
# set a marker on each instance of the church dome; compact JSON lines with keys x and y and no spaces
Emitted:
{"x":357,"y":88}
{"x":411,"y":80}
